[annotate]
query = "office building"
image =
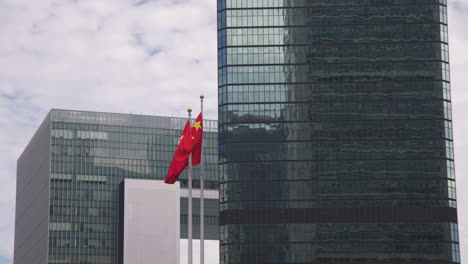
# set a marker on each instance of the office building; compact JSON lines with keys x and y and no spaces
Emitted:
{"x":68,"y":180}
{"x":335,"y":132}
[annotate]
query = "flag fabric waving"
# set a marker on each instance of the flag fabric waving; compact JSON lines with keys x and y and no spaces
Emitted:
{"x":190,"y":142}
{"x":197,"y":138}
{"x":182,"y":153}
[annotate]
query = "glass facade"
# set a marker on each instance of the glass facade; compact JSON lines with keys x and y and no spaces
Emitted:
{"x":90,"y":154}
{"x":335,"y":132}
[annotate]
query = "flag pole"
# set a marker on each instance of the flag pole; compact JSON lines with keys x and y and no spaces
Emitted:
{"x":189,"y":222}
{"x":202,"y":202}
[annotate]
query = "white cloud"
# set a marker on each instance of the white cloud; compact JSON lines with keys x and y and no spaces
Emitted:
{"x":458,"y":33}
{"x":100,"y":52}
{"x":106,"y":55}
{"x":154,"y":58}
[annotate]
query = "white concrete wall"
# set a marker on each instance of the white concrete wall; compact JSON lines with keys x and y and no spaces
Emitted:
{"x":211,"y":251}
{"x":151,"y":222}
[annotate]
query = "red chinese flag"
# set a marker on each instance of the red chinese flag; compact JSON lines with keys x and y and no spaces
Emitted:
{"x":197,"y":139}
{"x":180,"y":160}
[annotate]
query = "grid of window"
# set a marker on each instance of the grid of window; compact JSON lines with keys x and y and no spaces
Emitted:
{"x":333,"y":106}
{"x":406,"y":231}
{"x":325,"y":72}
{"x":244,"y":4}
{"x":337,"y":54}
{"x":209,"y":219}
{"x":335,"y":35}
{"x":332,"y":92}
{"x":447,"y":95}
{"x":320,"y":16}
{"x":91,"y":153}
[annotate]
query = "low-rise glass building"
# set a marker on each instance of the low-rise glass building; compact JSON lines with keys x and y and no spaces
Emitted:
{"x":68,"y":182}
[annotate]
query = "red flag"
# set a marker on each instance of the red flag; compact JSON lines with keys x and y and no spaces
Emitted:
{"x":180,"y":160}
{"x":197,"y":138}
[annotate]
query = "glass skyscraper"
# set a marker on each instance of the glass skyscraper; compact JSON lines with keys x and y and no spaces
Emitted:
{"x":68,"y":183}
{"x":335,"y":132}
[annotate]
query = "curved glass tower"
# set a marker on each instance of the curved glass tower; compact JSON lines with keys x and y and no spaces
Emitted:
{"x":335,"y":132}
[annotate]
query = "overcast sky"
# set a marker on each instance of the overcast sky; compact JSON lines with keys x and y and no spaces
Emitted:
{"x":137,"y":56}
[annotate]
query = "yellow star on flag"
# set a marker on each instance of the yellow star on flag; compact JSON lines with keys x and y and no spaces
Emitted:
{"x":197,"y":125}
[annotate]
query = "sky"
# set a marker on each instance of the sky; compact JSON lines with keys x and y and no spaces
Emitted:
{"x":138,"y":56}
